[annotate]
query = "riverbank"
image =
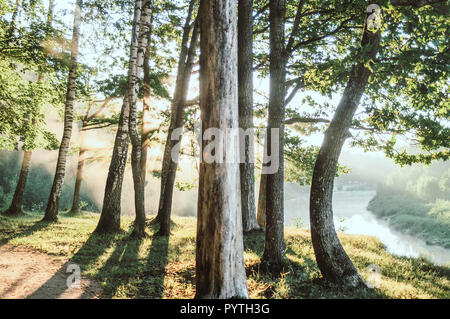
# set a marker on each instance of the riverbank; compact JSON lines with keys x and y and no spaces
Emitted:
{"x":429,"y":221}
{"x":165,"y":267}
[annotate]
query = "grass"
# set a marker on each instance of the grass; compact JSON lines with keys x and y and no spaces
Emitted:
{"x":158,"y":267}
{"x":406,"y":213}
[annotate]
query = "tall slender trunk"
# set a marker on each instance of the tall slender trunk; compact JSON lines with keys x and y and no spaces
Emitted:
{"x":220,"y":271}
{"x":80,"y":167}
{"x":139,"y":198}
{"x":16,"y":205}
{"x":51,"y":212}
{"x":110,"y":215}
{"x":169,"y":165}
{"x":333,"y":262}
{"x":245,"y":76}
{"x":273,"y":257}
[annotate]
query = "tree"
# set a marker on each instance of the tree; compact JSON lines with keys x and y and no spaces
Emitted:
{"x":273,"y":257}
{"x":87,"y":120}
{"x":16,"y":205}
{"x":220,"y":271}
{"x":332,"y":260}
{"x":110,"y":215}
{"x":169,"y":164}
{"x":245,"y":75}
{"x":133,"y":90}
{"x":51,"y":212}
{"x":334,"y":263}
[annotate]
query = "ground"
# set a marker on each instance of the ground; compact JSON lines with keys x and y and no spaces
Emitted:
{"x":34,"y":257}
{"x":26,"y":272}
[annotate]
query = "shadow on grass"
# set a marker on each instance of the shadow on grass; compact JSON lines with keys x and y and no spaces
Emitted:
{"x":23,"y":231}
{"x":121,"y":267}
{"x":152,"y":278}
{"x":88,"y":254}
{"x":298,"y":280}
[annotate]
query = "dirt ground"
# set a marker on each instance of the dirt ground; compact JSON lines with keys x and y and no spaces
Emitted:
{"x":27,"y":273}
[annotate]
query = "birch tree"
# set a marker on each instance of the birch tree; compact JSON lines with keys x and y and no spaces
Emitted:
{"x":51,"y":212}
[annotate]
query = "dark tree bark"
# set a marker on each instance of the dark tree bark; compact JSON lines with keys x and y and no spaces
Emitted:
{"x":169,"y":166}
{"x":273,"y":257}
{"x":51,"y":212}
{"x":139,"y":197}
{"x":110,"y":215}
{"x":220,"y":271}
{"x":245,"y":76}
{"x":333,"y":262}
{"x":15,"y":208}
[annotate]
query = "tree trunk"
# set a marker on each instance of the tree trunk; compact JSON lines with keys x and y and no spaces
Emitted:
{"x":51,"y":212}
{"x":220,"y":271}
{"x":169,"y":164}
{"x":333,"y":262}
{"x":79,"y":179}
{"x":110,"y":215}
{"x":15,"y":208}
{"x":245,"y":79}
{"x":273,"y":257}
{"x":262,"y":199}
{"x":139,"y":197}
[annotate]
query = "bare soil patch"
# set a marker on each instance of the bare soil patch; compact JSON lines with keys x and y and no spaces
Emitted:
{"x":28,"y":273}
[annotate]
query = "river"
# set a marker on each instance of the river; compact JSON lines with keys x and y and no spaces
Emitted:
{"x":351,"y":214}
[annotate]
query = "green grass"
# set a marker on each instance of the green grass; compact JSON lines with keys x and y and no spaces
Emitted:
{"x":406,"y":213}
{"x":165,"y":267}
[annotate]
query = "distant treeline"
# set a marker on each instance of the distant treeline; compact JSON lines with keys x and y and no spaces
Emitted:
{"x":417,"y":201}
{"x":38,"y":185}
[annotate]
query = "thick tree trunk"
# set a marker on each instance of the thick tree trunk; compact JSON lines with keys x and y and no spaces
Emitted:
{"x":169,"y":164}
{"x":332,"y":260}
{"x":79,"y":179}
{"x":245,"y":76}
{"x":51,"y":212}
{"x":110,"y":215}
{"x":139,"y":197}
{"x":16,"y":205}
{"x":220,"y":271}
{"x":273,"y":257}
